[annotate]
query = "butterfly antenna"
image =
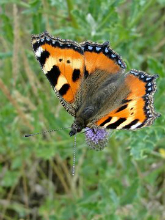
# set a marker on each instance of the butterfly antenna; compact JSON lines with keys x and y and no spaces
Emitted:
{"x":49,"y":131}
{"x":74,"y":157}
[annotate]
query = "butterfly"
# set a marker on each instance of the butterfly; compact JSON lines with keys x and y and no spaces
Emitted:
{"x":90,"y":81}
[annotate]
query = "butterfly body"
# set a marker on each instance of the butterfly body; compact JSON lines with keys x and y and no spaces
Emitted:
{"x":90,"y":81}
{"x":96,"y":102}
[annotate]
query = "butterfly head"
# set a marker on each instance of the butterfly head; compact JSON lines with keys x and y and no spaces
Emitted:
{"x":76,"y":127}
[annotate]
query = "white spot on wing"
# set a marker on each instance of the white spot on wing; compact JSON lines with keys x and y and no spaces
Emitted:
{"x":90,"y":47}
{"x":39,"y":51}
{"x":106,"y":50}
{"x":113,"y":55}
{"x":135,"y":126}
{"x":119,"y":62}
{"x":98,"y":48}
{"x":133,"y":72}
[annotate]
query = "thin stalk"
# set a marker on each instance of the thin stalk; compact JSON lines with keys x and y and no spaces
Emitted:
{"x":72,"y":18}
{"x":15,"y":104}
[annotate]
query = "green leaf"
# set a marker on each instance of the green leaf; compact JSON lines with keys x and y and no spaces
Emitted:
{"x":156,"y":67}
{"x":130,"y":193}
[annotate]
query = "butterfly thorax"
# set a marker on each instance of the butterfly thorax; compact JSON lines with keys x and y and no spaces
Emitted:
{"x":81,"y":120}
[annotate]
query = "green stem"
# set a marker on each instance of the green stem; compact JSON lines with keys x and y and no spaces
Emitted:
{"x":104,"y":20}
{"x":70,"y":8}
{"x":136,"y":20}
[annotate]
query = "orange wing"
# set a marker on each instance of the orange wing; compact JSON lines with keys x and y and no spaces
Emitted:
{"x":137,"y":109}
{"x":101,"y":57}
{"x":62,"y":62}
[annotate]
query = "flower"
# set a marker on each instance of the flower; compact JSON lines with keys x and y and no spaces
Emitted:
{"x":96,"y":138}
{"x":162,"y":152}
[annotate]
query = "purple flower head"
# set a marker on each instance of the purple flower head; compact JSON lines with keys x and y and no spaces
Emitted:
{"x":96,"y":138}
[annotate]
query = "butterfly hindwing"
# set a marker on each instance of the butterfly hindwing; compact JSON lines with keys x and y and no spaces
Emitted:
{"x":136,"y":110}
{"x":62,"y":62}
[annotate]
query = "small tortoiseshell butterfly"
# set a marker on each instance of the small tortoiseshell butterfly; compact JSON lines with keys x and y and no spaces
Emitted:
{"x":89,"y":80}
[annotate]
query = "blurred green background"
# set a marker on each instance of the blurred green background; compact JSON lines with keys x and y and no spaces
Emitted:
{"x":125,"y":181}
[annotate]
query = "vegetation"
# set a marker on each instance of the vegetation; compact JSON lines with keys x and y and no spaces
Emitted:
{"x":125,"y":181}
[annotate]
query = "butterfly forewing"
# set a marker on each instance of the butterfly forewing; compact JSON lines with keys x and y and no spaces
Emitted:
{"x":101,"y":57}
{"x":62,"y":62}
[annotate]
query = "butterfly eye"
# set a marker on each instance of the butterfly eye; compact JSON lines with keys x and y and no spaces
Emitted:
{"x":68,"y":61}
{"x":79,"y":129}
